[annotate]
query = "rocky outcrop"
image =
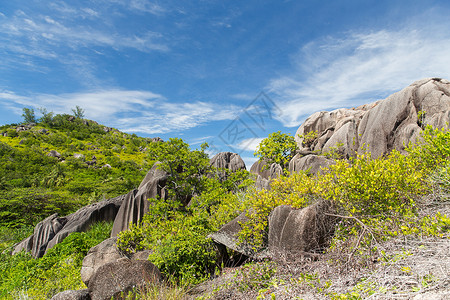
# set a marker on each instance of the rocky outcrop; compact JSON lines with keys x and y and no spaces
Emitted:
{"x":265,"y":173}
{"x":136,"y":203}
{"x":99,"y":255}
{"x":72,"y":295}
{"x":122,"y":276}
{"x":54,"y":230}
{"x":381,"y":126}
{"x":228,"y":236}
{"x":44,"y":232}
{"x":228,"y":160}
{"x":298,"y":231}
{"x":311,"y":163}
{"x":54,"y":153}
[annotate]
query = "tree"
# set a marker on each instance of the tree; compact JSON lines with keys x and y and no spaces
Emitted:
{"x":186,"y":168}
{"x":28,"y":115}
{"x":47,"y":117}
{"x":78,"y":112}
{"x":277,"y":148}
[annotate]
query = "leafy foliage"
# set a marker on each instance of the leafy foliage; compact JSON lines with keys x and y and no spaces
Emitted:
{"x":28,"y":115}
{"x":178,"y":238}
{"x":277,"y":148}
{"x":33,"y":184}
{"x":22,"y":276}
{"x":186,"y":168}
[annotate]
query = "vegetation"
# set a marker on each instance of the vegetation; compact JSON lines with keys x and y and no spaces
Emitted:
{"x":277,"y":148}
{"x":376,"y":200}
{"x":95,"y":163}
{"x":22,"y":276}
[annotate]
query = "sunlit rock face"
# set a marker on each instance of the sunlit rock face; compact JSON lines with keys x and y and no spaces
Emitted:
{"x":381,"y":126}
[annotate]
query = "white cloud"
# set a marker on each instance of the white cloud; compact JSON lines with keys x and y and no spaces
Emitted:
{"x":128,"y":110}
{"x":250,"y":144}
{"x":360,"y":67}
{"x":36,"y":32}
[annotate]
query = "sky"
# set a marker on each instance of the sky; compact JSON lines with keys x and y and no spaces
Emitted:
{"x":224,"y":72}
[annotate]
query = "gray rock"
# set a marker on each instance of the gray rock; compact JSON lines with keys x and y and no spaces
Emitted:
{"x":54,"y":153}
{"x":265,"y":173}
{"x":298,"y":231}
{"x":122,"y":276}
{"x":228,"y":160}
{"x":157,"y":139}
{"x":44,"y":232}
{"x":25,"y":245}
{"x":82,"y":219}
{"x":381,"y":126}
{"x":312,"y":163}
{"x":73,"y":295}
{"x":228,"y":236}
{"x":141,"y":255}
{"x":54,"y":230}
{"x":136,"y":203}
{"x":97,"y":256}
{"x":261,"y":167}
{"x":262,"y":183}
{"x":78,"y":156}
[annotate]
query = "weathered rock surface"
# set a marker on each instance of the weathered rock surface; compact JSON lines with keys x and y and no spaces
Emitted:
{"x":261,"y":167}
{"x":124,"y":275}
{"x":136,"y":203}
{"x":297,"y":231}
{"x":265,"y":173}
{"x":381,"y":126}
{"x":54,"y":153}
{"x":313,"y":163}
{"x":25,"y":245}
{"x":99,"y":255}
{"x":54,"y":230}
{"x":227,"y":235}
{"x":44,"y":232}
{"x":228,"y":160}
{"x":72,"y":295}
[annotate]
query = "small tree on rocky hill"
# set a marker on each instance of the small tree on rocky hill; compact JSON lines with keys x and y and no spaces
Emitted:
{"x":28,"y":115}
{"x":277,"y":148}
{"x":78,"y":112}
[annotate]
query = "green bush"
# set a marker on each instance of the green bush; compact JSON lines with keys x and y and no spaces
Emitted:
{"x":22,"y":276}
{"x":277,"y":148}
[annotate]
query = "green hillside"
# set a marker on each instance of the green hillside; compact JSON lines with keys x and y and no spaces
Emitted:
{"x":95,"y":163}
{"x":394,"y":198}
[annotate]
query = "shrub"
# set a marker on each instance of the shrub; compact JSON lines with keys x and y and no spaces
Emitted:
{"x":277,"y":148}
{"x":22,"y":276}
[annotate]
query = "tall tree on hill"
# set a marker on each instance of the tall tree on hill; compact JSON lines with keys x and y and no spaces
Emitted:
{"x":28,"y":115}
{"x":78,"y":112}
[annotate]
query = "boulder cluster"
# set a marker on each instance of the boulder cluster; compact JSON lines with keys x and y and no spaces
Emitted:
{"x":379,"y":128}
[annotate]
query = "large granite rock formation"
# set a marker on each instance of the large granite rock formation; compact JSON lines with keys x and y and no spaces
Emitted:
{"x":381,"y":126}
{"x":228,"y":160}
{"x":311,"y":163}
{"x":136,"y":203}
{"x":54,"y":230}
{"x":99,"y":255}
{"x":72,"y":295}
{"x":122,"y":276}
{"x":298,"y":231}
{"x":228,"y":235}
{"x":265,"y":173}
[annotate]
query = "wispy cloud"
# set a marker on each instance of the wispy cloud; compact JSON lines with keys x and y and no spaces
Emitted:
{"x":360,"y":67}
{"x":128,"y":110}
{"x":40,"y":32}
{"x":249,"y":144}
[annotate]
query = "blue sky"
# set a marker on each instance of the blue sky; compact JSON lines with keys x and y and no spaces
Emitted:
{"x":225,"y":72}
